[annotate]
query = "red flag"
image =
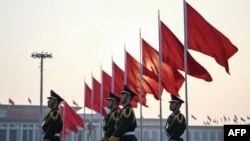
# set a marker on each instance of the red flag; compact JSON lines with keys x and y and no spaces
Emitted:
{"x":203,"y":37}
{"x":87,"y":96}
{"x":209,"y":118}
{"x":172,"y":79}
{"x":235,"y":117}
{"x":192,"y":116}
{"x":11,"y":102}
{"x":29,"y":100}
{"x":205,"y":123}
{"x":118,"y":75}
{"x":71,"y":120}
{"x":235,"y":120}
{"x":97,"y":92}
{"x":149,"y":85}
{"x":106,"y":86}
{"x":225,"y":118}
{"x":173,"y":54}
{"x":248,"y":117}
{"x":242,"y":119}
{"x":75,"y":103}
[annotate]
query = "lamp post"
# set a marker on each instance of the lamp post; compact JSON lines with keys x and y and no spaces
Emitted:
{"x":41,"y":56}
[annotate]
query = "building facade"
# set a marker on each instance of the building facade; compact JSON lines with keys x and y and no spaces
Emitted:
{"x":21,"y":123}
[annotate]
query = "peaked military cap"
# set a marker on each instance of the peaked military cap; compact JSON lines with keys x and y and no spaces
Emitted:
{"x":127,"y":90}
{"x":112,"y":96}
{"x":55,"y":96}
{"x":176,"y":99}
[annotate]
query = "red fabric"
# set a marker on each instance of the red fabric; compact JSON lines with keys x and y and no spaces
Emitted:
{"x":209,"y":118}
{"x":133,"y":79}
{"x":71,"y":120}
{"x":118,"y":75}
{"x":87,"y":96}
{"x":11,"y":102}
{"x":97,"y":93}
{"x":149,"y":79}
{"x":192,"y":116}
{"x":106,"y":86}
{"x":171,"y":78}
{"x":203,"y":37}
{"x":173,"y":54}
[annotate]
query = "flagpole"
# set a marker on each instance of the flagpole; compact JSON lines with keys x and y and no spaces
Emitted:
{"x":125,"y":75}
{"x":92,"y":97}
{"x":185,"y":65}
{"x":84,"y":105}
{"x":113,"y":74}
{"x":63,"y":117}
{"x":92,"y":101}
{"x":160,"y":60}
{"x":141,"y":72}
{"x":101,"y":100}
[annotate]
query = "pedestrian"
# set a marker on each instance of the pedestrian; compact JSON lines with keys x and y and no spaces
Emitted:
{"x":176,"y":122}
{"x":110,"y":119}
{"x":53,"y":122}
{"x":126,"y":122}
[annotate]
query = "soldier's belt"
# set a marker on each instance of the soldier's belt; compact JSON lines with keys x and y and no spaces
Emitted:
{"x":57,"y":134}
{"x":129,"y":133}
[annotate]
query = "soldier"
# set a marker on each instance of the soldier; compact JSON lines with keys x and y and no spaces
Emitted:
{"x":126,"y":122}
{"x":53,"y":123}
{"x":176,"y":122}
{"x":110,"y":119}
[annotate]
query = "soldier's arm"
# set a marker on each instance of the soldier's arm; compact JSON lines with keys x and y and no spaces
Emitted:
{"x":179,"y":127}
{"x":51,"y":131}
{"x":111,"y":126}
{"x":125,"y":122}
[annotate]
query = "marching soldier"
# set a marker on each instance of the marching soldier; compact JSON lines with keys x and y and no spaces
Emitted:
{"x":53,"y":123}
{"x":176,"y":122}
{"x":126,"y":122}
{"x":110,"y":119}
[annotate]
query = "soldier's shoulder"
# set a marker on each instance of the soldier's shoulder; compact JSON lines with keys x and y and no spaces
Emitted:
{"x":126,"y":112}
{"x":55,"y":114}
{"x":180,"y":118}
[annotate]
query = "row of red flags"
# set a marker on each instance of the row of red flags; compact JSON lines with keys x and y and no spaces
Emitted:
{"x":223,"y":120}
{"x":201,"y":37}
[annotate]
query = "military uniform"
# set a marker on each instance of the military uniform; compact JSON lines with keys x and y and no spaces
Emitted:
{"x":126,"y":122}
{"x":175,"y":124}
{"x":110,"y":120}
{"x":53,"y":123}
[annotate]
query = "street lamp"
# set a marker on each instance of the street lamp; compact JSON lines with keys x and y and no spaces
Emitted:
{"x":41,"y":56}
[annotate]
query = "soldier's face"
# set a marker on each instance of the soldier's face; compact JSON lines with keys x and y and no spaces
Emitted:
{"x":110,"y":103}
{"x":124,"y":98}
{"x":51,"y":102}
{"x":173,"y":106}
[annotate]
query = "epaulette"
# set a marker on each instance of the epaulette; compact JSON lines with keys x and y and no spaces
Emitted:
{"x":127,"y":112}
{"x":110,"y":118}
{"x":54,"y":115}
{"x":113,"y":138}
{"x":179,"y":118}
{"x":105,"y":138}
